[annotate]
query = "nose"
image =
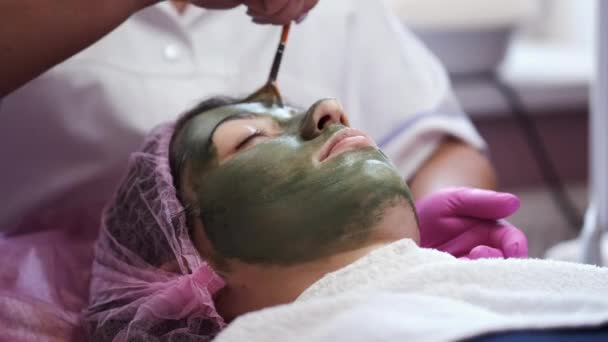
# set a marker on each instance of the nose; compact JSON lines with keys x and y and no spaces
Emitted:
{"x":321,"y":115}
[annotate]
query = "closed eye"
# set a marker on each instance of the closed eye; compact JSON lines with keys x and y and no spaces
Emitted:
{"x":247,"y":141}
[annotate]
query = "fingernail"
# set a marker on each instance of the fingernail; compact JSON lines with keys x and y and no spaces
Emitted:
{"x":301,"y":18}
{"x":513,"y":250}
{"x":509,"y":200}
{"x":515,"y":202}
{"x":479,"y":252}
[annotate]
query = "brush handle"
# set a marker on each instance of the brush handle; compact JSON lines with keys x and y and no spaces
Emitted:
{"x":276,"y":64}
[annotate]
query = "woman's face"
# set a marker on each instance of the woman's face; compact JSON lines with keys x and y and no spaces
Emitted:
{"x":276,"y":185}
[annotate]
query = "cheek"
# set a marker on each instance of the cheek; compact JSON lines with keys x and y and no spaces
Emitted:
{"x":249,"y":173}
{"x":271,"y":160}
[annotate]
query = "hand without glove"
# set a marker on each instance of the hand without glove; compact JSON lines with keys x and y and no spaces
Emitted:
{"x":468,"y":223}
{"x":278,"y":12}
{"x":217,"y":4}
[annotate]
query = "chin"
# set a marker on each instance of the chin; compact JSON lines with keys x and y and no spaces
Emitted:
{"x":399,"y":221}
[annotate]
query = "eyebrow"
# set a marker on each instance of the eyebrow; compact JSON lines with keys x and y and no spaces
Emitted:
{"x":238,"y":116}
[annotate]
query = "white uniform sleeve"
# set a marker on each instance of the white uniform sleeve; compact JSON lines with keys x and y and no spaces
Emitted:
{"x":401,"y":89}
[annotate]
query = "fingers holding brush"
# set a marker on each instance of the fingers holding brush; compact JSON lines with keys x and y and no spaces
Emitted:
{"x":278,"y":12}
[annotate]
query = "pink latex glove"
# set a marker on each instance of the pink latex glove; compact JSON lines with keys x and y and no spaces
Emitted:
{"x":468,"y":223}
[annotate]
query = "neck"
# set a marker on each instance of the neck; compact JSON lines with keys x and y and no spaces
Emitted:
{"x":259,"y":286}
{"x":253,"y":287}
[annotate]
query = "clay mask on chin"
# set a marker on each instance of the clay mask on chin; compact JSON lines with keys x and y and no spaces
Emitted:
{"x":274,"y":203}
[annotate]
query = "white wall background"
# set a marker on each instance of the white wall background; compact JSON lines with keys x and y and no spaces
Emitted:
{"x":567,"y":21}
{"x":461,"y":14}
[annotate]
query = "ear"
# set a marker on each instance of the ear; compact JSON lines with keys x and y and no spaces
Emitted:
{"x":201,"y":241}
{"x":199,"y":237}
{"x":207,"y":252}
{"x":186,"y":191}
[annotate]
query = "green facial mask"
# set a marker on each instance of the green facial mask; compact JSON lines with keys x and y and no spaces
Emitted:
{"x":272,"y":203}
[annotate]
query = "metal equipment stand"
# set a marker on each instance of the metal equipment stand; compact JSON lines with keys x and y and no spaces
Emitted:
{"x":596,"y":217}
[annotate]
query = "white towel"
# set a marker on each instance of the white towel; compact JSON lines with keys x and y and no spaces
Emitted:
{"x":402,"y":292}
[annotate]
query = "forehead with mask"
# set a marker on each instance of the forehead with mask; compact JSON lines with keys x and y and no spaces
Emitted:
{"x":271,"y":184}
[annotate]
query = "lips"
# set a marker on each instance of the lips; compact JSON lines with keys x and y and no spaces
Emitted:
{"x":346,"y":139}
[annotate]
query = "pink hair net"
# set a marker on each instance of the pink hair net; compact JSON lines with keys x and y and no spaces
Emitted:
{"x":148,"y":281}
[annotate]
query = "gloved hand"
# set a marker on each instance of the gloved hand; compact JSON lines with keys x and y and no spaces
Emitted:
{"x":469,"y":223}
{"x":265,"y":11}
